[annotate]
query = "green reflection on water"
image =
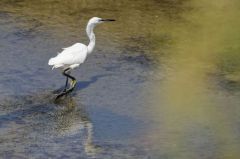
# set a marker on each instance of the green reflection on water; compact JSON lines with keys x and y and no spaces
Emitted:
{"x":197,"y":115}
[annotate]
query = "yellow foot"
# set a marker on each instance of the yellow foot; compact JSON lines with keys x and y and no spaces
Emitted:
{"x":73,"y":83}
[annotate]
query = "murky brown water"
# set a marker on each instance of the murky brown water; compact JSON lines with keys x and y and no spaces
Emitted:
{"x":163,"y":81}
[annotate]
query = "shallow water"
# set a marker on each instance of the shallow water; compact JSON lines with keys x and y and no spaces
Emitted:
{"x":162,"y":82}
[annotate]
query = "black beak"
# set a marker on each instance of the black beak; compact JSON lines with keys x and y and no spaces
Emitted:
{"x":107,"y":20}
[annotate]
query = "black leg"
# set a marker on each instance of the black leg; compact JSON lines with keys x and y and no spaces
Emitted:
{"x":65,"y":88}
{"x":73,"y":84}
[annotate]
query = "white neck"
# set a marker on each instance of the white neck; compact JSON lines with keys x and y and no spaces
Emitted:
{"x":91,"y":36}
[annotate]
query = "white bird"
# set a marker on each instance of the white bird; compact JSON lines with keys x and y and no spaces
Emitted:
{"x":71,"y":57}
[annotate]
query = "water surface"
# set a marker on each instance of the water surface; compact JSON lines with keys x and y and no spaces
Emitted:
{"x":162,"y":82}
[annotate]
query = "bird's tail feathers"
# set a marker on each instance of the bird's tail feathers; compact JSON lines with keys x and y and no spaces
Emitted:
{"x":51,"y":61}
{"x":54,"y":63}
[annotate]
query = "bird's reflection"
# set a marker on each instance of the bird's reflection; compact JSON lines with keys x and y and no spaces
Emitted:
{"x":72,"y":119}
{"x":66,"y":120}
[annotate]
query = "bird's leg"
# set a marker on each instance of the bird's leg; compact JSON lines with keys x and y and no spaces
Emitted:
{"x":65,"y":88}
{"x":73,"y":84}
{"x":65,"y":74}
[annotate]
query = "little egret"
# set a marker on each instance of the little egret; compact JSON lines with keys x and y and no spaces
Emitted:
{"x":71,"y":57}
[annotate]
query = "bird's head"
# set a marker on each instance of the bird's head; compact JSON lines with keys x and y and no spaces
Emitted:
{"x":96,"y":20}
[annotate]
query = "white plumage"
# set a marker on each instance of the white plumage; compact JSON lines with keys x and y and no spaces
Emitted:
{"x":71,"y":57}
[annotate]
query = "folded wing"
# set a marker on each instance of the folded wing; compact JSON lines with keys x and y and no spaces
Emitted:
{"x":75,"y":54}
